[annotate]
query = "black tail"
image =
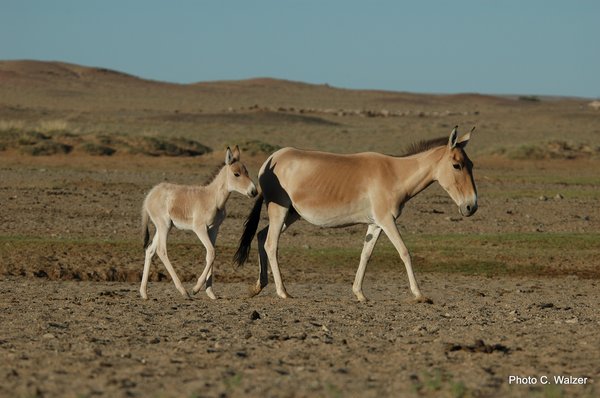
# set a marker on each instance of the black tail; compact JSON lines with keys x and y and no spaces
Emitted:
{"x":250,"y":227}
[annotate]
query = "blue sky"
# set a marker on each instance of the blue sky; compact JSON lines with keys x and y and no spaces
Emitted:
{"x":497,"y":47}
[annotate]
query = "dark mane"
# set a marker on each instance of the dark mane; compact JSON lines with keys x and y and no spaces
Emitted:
{"x":424,"y":145}
{"x":214,"y":174}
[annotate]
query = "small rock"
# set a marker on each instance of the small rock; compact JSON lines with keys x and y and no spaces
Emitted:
{"x":543,"y":198}
{"x":558,"y":197}
{"x":254,"y":316}
{"x":571,"y":321}
{"x":48,"y":336}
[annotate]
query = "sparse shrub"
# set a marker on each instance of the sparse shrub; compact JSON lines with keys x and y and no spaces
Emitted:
{"x":53,"y":125}
{"x":98,"y":150}
{"x":527,"y":151}
{"x":159,"y":146}
{"x":46,"y":148}
{"x":32,"y":138}
{"x":556,"y":149}
{"x":254,"y":147}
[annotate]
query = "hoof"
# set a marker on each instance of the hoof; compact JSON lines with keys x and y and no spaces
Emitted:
{"x":285,"y":295}
{"x":360,"y":297}
{"x":210,"y":294}
{"x":422,"y":299}
{"x":254,"y":290}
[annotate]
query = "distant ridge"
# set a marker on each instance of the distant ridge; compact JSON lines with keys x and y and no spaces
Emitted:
{"x":54,"y":85}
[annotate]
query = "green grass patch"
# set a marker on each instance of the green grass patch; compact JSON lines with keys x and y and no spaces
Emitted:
{"x":483,"y":254}
{"x":512,"y":254}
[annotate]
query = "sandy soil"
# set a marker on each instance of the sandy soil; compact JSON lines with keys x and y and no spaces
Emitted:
{"x":101,"y":339}
{"x":69,"y":228}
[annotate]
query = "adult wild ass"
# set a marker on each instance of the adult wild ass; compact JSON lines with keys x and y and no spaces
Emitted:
{"x":332,"y":190}
{"x":197,"y":208}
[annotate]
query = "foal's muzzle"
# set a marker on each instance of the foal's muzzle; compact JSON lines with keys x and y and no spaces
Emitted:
{"x":252,"y":192}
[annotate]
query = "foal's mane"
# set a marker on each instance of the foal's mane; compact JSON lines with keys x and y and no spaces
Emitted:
{"x":424,"y":145}
{"x":214,"y":174}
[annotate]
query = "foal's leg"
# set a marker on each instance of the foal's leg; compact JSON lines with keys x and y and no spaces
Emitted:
{"x":150,"y":251}
{"x":391,"y":230}
{"x":370,"y":239}
{"x":277,"y":215}
{"x":212,"y":234}
{"x":206,"y":276}
{"x":162,"y":254}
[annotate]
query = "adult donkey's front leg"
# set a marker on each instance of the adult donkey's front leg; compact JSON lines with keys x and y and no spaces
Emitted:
{"x":373,"y":232}
{"x":391,"y":230}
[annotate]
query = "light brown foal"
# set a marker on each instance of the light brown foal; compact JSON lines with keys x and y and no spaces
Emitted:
{"x":332,"y":190}
{"x":197,"y":208}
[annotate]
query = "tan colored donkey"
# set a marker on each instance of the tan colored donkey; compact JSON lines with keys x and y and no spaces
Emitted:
{"x":332,"y":190}
{"x":197,"y":208}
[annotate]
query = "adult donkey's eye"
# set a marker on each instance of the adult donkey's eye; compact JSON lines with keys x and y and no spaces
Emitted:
{"x":236,"y":174}
{"x":457,"y":166}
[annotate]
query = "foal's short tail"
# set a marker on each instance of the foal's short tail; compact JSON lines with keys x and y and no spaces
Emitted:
{"x":250,"y":227}
{"x":145,"y":231}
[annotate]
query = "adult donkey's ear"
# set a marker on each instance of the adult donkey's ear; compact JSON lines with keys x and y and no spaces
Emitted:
{"x":464,"y":140}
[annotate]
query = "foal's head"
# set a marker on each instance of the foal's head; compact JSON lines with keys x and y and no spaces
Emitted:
{"x":237,"y":175}
{"x":455,"y":173}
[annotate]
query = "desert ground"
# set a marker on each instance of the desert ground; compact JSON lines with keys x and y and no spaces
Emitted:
{"x":515,"y":287}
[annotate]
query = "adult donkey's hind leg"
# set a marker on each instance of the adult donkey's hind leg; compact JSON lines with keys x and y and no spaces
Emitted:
{"x":263,"y":258}
{"x":370,"y":240}
{"x":278,"y":222}
{"x":263,"y":263}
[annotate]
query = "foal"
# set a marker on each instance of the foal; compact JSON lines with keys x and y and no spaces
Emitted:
{"x":197,"y":208}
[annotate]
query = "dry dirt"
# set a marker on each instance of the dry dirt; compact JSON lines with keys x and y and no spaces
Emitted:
{"x":70,"y":227}
{"x":515,"y":287}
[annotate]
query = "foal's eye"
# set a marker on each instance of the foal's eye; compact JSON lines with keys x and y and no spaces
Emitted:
{"x":456,"y":166}
{"x":236,"y":174}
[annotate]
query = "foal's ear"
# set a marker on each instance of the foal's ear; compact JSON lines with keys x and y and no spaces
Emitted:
{"x":452,"y":141}
{"x":236,"y":153}
{"x":228,"y":157}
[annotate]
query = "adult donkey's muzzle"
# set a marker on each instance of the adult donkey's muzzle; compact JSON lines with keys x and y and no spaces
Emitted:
{"x":468,"y":209}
